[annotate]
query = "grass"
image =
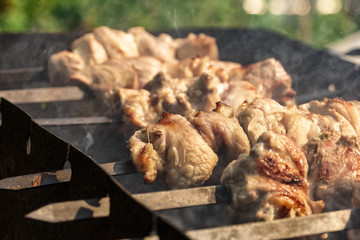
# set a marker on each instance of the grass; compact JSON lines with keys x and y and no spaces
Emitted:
{"x":68,"y":15}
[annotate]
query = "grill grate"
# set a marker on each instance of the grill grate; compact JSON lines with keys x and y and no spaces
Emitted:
{"x":50,"y":188}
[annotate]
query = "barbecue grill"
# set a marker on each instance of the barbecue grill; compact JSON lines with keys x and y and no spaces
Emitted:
{"x":65,"y":174}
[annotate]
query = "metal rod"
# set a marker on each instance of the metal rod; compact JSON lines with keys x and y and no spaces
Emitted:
{"x":283,"y":228}
{"x":40,"y":95}
{"x":75,"y":121}
{"x":66,"y":211}
{"x":64,"y":175}
{"x":277,"y":229}
{"x":72,"y":121}
{"x":69,"y":211}
{"x":183,"y":198}
{"x":22,"y":70}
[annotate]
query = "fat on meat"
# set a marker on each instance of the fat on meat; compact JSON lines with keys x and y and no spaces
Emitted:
{"x":173,"y":148}
{"x":270,"y":182}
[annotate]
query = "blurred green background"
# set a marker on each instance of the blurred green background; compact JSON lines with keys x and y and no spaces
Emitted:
{"x":298,"y":19}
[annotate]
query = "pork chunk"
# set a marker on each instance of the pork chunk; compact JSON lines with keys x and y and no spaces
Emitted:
{"x":146,"y":68}
{"x":270,"y":78}
{"x":270,"y":182}
{"x":110,"y":74}
{"x":117,"y":43}
{"x":223,"y":134}
{"x":346,"y":112}
{"x":334,"y":169}
{"x":89,"y":49}
{"x":62,"y":65}
{"x":265,"y":114}
{"x":172,"y":147}
{"x":162,"y":47}
{"x":197,"y":45}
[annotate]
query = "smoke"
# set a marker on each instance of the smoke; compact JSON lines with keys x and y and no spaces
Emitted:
{"x":88,"y":141}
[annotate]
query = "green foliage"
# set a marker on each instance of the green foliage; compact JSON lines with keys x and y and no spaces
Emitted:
{"x":68,"y":15}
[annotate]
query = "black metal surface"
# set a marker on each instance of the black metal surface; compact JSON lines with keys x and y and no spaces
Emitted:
{"x":23,"y":143}
{"x":127,"y":218}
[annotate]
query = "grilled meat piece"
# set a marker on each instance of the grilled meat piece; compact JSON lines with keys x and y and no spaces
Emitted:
{"x":205,"y":92}
{"x":269,"y":77}
{"x":117,"y":43}
{"x":270,"y":182}
{"x":265,"y":114}
{"x":174,"y":148}
{"x":166,"y":94}
{"x":62,"y":65}
{"x":223,"y":134}
{"x":237,"y":92}
{"x":146,"y":68}
{"x":89,"y":49}
{"x":197,"y":45}
{"x":334,"y":169}
{"x":195,"y":66}
{"x":327,"y":132}
{"x":162,"y":47}
{"x":110,"y":74}
{"x":346,"y":112}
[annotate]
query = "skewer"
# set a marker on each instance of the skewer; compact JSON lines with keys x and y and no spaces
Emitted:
{"x":283,"y":228}
{"x":75,"y":121}
{"x":64,"y":175}
{"x":67,"y":211}
{"x":277,"y":229}
{"x":40,"y":95}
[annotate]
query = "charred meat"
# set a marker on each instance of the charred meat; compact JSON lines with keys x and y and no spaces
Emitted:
{"x":270,"y":182}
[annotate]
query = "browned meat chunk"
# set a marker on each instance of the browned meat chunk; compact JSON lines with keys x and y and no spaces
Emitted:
{"x":118,"y":44}
{"x":346,"y":112}
{"x":223,"y":134}
{"x":237,"y":92}
{"x":269,"y":77}
{"x":270,"y":182}
{"x":334,"y":163}
{"x":110,"y":74}
{"x":146,"y":68}
{"x":62,"y":65}
{"x":264,"y":115}
{"x":327,"y":132}
{"x":174,"y":148}
{"x":204,"y":92}
{"x":89,"y":49}
{"x":195,"y":66}
{"x":162,"y":47}
{"x":197,"y":45}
